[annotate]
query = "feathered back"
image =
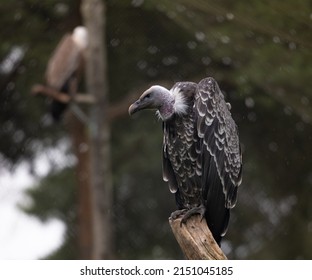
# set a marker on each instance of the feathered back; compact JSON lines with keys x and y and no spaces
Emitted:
{"x":201,"y":154}
{"x":66,"y":60}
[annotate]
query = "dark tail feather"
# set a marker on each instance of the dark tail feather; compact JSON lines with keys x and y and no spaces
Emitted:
{"x":57,"y":110}
{"x":217,"y":215}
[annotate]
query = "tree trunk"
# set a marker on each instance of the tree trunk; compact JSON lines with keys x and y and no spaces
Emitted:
{"x":81,"y":147}
{"x":97,"y":85}
{"x":196,"y":240}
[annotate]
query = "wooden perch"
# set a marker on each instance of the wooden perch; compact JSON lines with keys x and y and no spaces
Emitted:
{"x":196,"y":240}
{"x":61,"y":96}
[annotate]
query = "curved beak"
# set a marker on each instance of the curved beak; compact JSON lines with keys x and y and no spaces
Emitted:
{"x":134,"y":107}
{"x":138,"y":105}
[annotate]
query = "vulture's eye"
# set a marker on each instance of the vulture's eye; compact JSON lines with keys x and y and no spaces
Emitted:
{"x":147,"y":96}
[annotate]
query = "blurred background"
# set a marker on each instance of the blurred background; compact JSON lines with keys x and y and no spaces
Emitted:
{"x":260,"y":54}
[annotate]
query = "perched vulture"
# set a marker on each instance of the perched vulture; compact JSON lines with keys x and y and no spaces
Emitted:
{"x":202,"y":160}
{"x":65,"y":67}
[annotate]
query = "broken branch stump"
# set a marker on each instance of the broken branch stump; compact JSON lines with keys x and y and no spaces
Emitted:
{"x":195,"y":239}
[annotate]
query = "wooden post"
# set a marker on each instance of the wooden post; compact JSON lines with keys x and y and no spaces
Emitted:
{"x":94,"y":16}
{"x":81,"y":148}
{"x":196,"y":240}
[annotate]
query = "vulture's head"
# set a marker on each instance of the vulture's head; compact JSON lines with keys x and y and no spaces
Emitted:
{"x":158,"y":98}
{"x":80,"y":37}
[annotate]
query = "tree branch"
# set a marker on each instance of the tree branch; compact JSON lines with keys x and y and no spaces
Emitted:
{"x":195,"y":239}
{"x":63,"y":97}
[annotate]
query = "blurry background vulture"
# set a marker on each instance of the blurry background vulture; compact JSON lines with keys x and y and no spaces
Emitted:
{"x":65,"y":67}
{"x":201,"y":153}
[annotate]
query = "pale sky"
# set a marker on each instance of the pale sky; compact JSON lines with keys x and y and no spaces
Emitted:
{"x":23,"y":237}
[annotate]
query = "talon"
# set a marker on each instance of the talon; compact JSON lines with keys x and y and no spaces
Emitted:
{"x":193,"y":211}
{"x":176,"y":214}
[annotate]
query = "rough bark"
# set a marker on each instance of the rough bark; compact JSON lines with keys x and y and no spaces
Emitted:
{"x":81,"y":148}
{"x":93,"y":12}
{"x":196,"y":240}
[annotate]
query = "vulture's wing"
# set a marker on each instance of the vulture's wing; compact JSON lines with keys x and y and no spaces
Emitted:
{"x":220,"y":142}
{"x":220,"y":155}
{"x":65,"y":60}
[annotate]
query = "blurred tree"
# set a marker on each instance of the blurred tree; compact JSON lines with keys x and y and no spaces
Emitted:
{"x":260,"y":55}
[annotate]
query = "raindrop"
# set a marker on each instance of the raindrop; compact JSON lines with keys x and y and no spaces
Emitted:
{"x":61,"y":9}
{"x":114,"y":42}
{"x":249,"y":102}
{"x":292,"y":46}
{"x":276,"y":40}
{"x":191,"y":45}
{"x":137,"y":3}
{"x":252,"y":116}
{"x":229,"y":16}
{"x":293,"y":31}
{"x":273,"y":147}
{"x":225,"y":39}
{"x":172,"y":15}
{"x":200,"y":36}
{"x":152,"y":49}
{"x":305,"y":100}
{"x":169,"y":60}
{"x":152,"y":72}
{"x":300,"y":126}
{"x":142,"y":64}
{"x":206,"y":60}
{"x":260,"y":40}
{"x":288,"y":110}
{"x":10,"y":86}
{"x":226,"y":60}
{"x":18,"y":136}
{"x":83,"y":147}
{"x":17,"y":16}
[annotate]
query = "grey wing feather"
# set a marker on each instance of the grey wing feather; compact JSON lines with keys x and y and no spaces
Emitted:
{"x":218,"y":131}
{"x":66,"y":59}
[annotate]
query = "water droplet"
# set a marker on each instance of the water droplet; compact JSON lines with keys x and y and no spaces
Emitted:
{"x":200,"y":36}
{"x":191,"y":45}
{"x":229,"y":16}
{"x":288,"y":110}
{"x":226,"y":60}
{"x":137,"y":3}
{"x":249,"y":102}
{"x":273,"y":147}
{"x":152,"y":49}
{"x":142,"y":64}
{"x":304,"y":100}
{"x":225,"y":39}
{"x":276,"y":39}
{"x":169,"y":60}
{"x":206,"y":60}
{"x":292,"y":46}
{"x":252,"y":116}
{"x":114,"y":42}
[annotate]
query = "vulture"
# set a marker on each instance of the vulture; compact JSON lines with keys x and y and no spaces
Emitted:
{"x":202,"y":160}
{"x":66,"y":66}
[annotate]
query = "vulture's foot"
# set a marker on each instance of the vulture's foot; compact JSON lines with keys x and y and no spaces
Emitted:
{"x":176,"y":214}
{"x":187,"y":213}
{"x":193,"y":211}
